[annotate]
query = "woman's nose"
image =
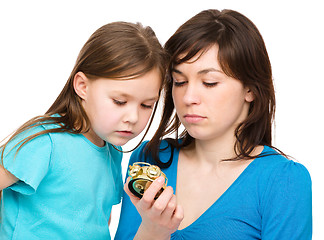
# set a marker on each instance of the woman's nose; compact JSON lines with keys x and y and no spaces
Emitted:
{"x":191,"y":95}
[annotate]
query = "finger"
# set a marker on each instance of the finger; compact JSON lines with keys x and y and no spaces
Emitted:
{"x":169,"y":209}
{"x":148,"y":196}
{"x":162,"y":201}
{"x":177,"y":216}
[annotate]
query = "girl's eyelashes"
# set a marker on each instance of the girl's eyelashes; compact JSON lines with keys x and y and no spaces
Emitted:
{"x":147,"y":106}
{"x":121,"y":103}
{"x":118,"y":102}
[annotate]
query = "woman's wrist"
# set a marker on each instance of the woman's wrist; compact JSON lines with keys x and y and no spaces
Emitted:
{"x":147,"y":234}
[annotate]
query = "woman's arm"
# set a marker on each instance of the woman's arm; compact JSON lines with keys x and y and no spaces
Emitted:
{"x":160,"y":217}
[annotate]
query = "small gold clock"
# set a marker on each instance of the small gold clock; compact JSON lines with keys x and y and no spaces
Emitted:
{"x":142,"y":175}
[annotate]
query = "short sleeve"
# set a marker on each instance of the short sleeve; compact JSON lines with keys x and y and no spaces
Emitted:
{"x":287,"y":204}
{"x":31,"y":163}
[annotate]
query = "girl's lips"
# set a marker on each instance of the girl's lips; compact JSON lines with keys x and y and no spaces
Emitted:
{"x":125,"y":133}
{"x":193,"y":118}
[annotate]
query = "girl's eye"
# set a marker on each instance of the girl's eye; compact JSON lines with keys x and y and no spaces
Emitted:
{"x":147,"y":106}
{"x":120,"y":103}
{"x":210,"y":84}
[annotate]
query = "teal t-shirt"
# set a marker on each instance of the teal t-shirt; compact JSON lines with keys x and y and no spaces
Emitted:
{"x":270,"y":200}
{"x":66,"y":188}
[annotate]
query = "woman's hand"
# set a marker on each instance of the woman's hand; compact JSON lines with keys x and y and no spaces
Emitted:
{"x":160,"y":217}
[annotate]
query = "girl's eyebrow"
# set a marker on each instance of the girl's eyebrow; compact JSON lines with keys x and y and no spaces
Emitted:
{"x":130,"y":96}
{"x":153,"y":98}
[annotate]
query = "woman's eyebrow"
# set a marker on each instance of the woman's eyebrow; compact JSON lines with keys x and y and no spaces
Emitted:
{"x":176,"y":71}
{"x":207,"y":70}
{"x":201,"y":72}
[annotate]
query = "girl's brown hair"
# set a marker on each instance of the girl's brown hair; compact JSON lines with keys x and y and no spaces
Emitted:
{"x":117,"y":50}
{"x":243,"y":56}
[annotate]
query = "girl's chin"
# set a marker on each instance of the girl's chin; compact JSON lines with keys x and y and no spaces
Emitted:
{"x":118,"y":141}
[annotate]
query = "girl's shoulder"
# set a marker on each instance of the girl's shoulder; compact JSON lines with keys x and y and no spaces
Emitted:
{"x":34,"y":133}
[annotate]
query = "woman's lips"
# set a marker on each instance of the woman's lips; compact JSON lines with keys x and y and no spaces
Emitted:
{"x":193,"y":118}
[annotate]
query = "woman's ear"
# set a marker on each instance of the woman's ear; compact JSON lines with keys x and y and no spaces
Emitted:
{"x":249,"y":96}
{"x":80,"y":84}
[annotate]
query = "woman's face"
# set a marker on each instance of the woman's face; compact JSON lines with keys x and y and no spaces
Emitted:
{"x":209,"y":103}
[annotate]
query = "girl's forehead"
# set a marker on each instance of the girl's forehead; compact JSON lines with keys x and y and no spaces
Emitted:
{"x":146,"y":86}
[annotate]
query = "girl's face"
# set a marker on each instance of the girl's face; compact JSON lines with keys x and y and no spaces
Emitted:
{"x":209,"y":103}
{"x":118,"y":110}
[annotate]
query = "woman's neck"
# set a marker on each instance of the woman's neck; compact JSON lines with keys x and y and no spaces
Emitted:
{"x":212,"y":152}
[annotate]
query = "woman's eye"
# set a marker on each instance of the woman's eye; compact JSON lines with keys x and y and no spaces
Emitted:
{"x":210,"y":84}
{"x":118,"y":102}
{"x":178,"y":84}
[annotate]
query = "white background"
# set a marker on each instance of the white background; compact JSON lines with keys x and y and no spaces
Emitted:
{"x":40,"y":41}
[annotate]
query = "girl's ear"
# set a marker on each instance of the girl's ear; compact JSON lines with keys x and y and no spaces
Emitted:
{"x":249,"y":96}
{"x":80,"y":84}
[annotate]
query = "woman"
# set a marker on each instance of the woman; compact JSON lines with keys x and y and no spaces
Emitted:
{"x":229,"y":181}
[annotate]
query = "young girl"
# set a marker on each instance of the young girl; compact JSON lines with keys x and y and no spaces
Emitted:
{"x":61,"y":171}
{"x":229,"y":181}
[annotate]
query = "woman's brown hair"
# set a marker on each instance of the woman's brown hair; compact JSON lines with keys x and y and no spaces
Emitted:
{"x":117,"y":50}
{"x":243,"y":56}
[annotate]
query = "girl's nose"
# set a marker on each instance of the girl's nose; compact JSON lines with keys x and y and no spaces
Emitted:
{"x":131,"y":115}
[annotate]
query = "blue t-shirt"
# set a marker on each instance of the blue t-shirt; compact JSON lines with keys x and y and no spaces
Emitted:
{"x":66,"y":188}
{"x":270,"y":200}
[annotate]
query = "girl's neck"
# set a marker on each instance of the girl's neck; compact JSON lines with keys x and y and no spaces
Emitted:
{"x":94,"y":138}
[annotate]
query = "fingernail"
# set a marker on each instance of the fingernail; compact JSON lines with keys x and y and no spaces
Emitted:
{"x":160,"y":179}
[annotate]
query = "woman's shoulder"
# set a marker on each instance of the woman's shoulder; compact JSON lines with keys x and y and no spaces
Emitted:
{"x":281,"y":181}
{"x":141,"y":153}
{"x":275,"y":165}
{"x":165,"y":146}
